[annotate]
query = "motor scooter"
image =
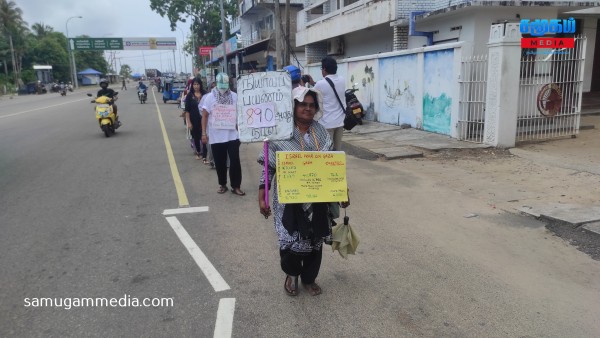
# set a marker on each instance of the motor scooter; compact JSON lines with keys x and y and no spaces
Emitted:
{"x":63,"y":90}
{"x":352,"y":102}
{"x":105,"y":115}
{"x":142,"y":95}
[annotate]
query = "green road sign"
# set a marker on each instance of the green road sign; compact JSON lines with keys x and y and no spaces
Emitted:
{"x":96,"y":43}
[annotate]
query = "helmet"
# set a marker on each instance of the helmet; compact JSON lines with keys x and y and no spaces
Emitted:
{"x":294,"y":72}
{"x":105,"y":81}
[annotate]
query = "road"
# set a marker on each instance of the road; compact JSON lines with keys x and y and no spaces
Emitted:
{"x":82,"y":216}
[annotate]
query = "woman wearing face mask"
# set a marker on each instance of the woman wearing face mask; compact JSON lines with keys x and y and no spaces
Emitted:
{"x":222,"y":137}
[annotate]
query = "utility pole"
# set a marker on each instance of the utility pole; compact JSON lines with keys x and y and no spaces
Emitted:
{"x":193,"y":52}
{"x":73,"y":66}
{"x":174,"y":63}
{"x":224,"y":36}
{"x":144,"y":58}
{"x":278,"y":36}
{"x":287,"y":48}
{"x":14,"y":63}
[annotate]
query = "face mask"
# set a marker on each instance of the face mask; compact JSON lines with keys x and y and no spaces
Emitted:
{"x":222,"y":91}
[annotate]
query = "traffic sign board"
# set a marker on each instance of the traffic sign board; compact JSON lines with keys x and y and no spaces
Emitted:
{"x":96,"y":43}
{"x":122,"y":43}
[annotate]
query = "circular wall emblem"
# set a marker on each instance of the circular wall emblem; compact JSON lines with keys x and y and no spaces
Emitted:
{"x":549,"y":99}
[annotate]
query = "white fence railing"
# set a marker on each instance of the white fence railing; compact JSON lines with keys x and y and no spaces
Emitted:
{"x":550,"y":92}
{"x":473,"y":82}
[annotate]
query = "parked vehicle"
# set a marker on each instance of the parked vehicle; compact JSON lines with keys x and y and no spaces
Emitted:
{"x":173,"y":89}
{"x":105,"y":115}
{"x":55,"y":87}
{"x":33,"y":88}
{"x":63,"y":89}
{"x":352,"y":102}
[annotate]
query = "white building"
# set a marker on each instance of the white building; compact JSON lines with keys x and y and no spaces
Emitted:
{"x":425,"y":63}
{"x":353,"y":28}
{"x":255,"y":28}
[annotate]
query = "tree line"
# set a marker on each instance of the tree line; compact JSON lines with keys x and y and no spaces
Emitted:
{"x":22,"y":46}
{"x":205,"y":16}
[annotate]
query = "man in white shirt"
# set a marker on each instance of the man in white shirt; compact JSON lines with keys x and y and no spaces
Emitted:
{"x":333,"y":112}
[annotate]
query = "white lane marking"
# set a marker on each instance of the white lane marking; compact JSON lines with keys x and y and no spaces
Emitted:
{"x":29,"y":111}
{"x":169,"y":212}
{"x":224,"y":323}
{"x":213,"y":276}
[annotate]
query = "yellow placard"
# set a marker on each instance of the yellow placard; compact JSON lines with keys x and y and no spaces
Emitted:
{"x":311,"y":176}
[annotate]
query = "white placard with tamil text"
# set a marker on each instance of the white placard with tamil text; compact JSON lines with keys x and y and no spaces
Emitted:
{"x":264,"y":103}
{"x":224,"y":116}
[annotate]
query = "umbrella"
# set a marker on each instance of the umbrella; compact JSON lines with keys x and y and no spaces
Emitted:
{"x":345,"y":240}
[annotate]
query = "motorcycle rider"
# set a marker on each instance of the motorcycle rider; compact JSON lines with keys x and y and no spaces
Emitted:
{"x":105,"y":91}
{"x":142,"y":86}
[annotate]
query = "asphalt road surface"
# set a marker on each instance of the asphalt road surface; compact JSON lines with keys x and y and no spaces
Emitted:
{"x":84,"y":216}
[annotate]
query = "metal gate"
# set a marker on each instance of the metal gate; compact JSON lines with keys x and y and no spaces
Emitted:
{"x":550,"y":90}
{"x":473,"y":82}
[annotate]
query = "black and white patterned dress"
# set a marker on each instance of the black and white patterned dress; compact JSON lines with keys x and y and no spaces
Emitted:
{"x":316,"y":139}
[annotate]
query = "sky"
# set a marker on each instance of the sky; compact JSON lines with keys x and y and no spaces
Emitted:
{"x":122,"y":18}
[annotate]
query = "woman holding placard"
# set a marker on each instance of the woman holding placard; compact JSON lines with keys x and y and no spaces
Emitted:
{"x":219,"y":117}
{"x":303,"y":227}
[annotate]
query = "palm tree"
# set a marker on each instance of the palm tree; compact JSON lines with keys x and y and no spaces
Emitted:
{"x":40,"y":30}
{"x":11,"y":23}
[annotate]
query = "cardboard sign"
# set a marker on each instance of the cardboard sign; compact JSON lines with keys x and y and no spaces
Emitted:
{"x":260,"y":116}
{"x":311,"y":176}
{"x":264,"y":103}
{"x":224,"y":116}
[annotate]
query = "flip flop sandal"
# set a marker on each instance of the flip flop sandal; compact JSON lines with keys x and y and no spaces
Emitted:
{"x":293,"y":290}
{"x":238,"y":192}
{"x":222,"y":189}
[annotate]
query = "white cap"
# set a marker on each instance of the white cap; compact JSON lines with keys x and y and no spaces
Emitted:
{"x":299,"y":92}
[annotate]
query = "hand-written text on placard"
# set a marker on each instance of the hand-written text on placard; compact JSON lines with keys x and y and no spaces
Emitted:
{"x":265,"y":106}
{"x":307,"y":177}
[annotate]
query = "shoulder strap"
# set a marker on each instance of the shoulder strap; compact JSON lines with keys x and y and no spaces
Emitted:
{"x":335,"y":92}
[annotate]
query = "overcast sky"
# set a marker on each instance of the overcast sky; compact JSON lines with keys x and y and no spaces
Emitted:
{"x":122,"y":18}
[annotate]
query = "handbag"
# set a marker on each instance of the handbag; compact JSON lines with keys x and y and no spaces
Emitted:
{"x":349,"y":119}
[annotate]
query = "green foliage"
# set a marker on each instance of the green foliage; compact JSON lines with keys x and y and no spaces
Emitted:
{"x":28,"y":76}
{"x":41,"y":46}
{"x":206,"y":15}
{"x":50,"y":50}
{"x":40,"y":30}
{"x":125,"y":71}
{"x":91,"y":59}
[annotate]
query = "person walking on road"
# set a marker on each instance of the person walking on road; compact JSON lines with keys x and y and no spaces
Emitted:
{"x":194,"y":119}
{"x":333,"y":113}
{"x":303,"y":227}
{"x":222,"y":137}
{"x":124,"y":86}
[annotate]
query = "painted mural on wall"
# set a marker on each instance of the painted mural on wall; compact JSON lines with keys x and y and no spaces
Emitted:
{"x":437,"y":87}
{"x":363,"y":73}
{"x":398,"y":83}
